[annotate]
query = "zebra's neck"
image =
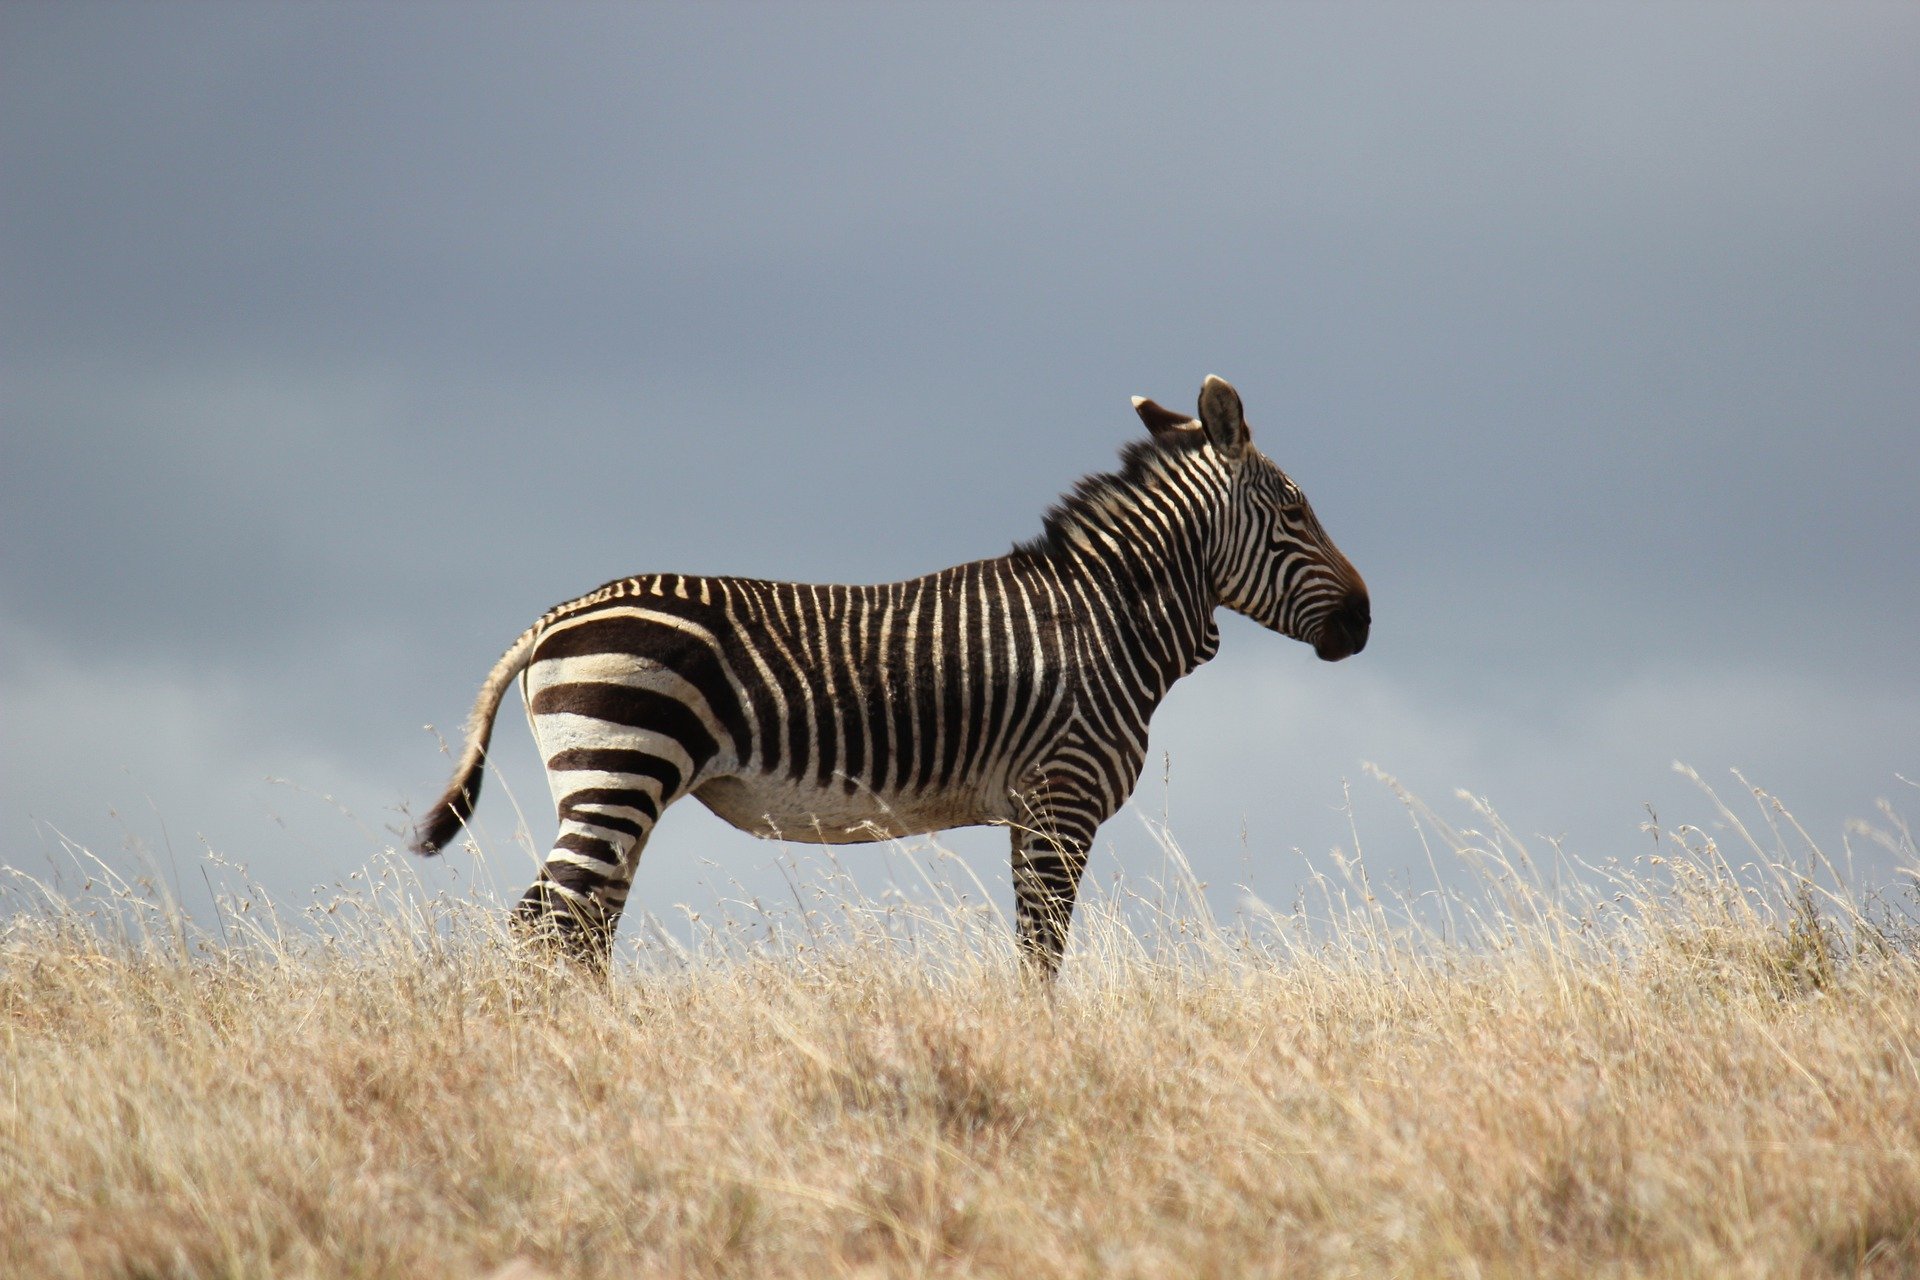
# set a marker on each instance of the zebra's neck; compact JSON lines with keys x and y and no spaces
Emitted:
{"x":1137,"y":542}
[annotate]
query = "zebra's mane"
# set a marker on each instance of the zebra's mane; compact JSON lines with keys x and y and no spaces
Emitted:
{"x":1091,"y":494}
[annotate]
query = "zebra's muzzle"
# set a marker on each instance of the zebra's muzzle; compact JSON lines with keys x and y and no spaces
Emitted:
{"x":1345,"y":631}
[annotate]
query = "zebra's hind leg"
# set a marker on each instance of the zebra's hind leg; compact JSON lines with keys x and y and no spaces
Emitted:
{"x":574,"y":904}
{"x":1049,"y":857}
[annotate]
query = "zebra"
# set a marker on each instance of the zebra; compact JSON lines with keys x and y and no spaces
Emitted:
{"x":1013,"y":691}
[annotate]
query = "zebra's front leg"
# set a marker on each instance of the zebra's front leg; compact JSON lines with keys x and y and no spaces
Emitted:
{"x":574,"y":904}
{"x":1049,"y":857}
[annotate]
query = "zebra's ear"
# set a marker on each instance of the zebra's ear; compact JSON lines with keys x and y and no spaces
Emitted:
{"x":1161,"y":421}
{"x":1221,"y":416}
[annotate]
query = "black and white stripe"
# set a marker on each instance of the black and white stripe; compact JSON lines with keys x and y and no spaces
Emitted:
{"x":1012,"y":691}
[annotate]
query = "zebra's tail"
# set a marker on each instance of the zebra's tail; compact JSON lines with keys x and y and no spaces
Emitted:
{"x":455,"y":805}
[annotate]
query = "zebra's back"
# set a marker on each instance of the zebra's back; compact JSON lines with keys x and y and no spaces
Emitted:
{"x":820,"y":712}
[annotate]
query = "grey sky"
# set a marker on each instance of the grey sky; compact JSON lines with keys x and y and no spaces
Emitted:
{"x":339,"y":341}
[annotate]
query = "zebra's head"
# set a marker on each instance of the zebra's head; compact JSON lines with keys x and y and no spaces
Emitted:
{"x":1270,"y":559}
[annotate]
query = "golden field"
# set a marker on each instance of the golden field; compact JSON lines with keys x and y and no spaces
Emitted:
{"x":1697,"y":1065}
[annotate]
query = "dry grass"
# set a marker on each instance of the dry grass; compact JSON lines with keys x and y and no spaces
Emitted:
{"x":1672,"y":1069}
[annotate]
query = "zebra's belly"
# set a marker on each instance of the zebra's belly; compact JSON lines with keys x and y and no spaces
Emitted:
{"x":787,"y":810}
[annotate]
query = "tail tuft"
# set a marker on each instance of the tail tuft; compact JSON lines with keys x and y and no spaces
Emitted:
{"x":440,"y":826}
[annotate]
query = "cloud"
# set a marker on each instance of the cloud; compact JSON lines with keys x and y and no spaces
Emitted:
{"x":151,"y":766}
{"x":1264,"y":744}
